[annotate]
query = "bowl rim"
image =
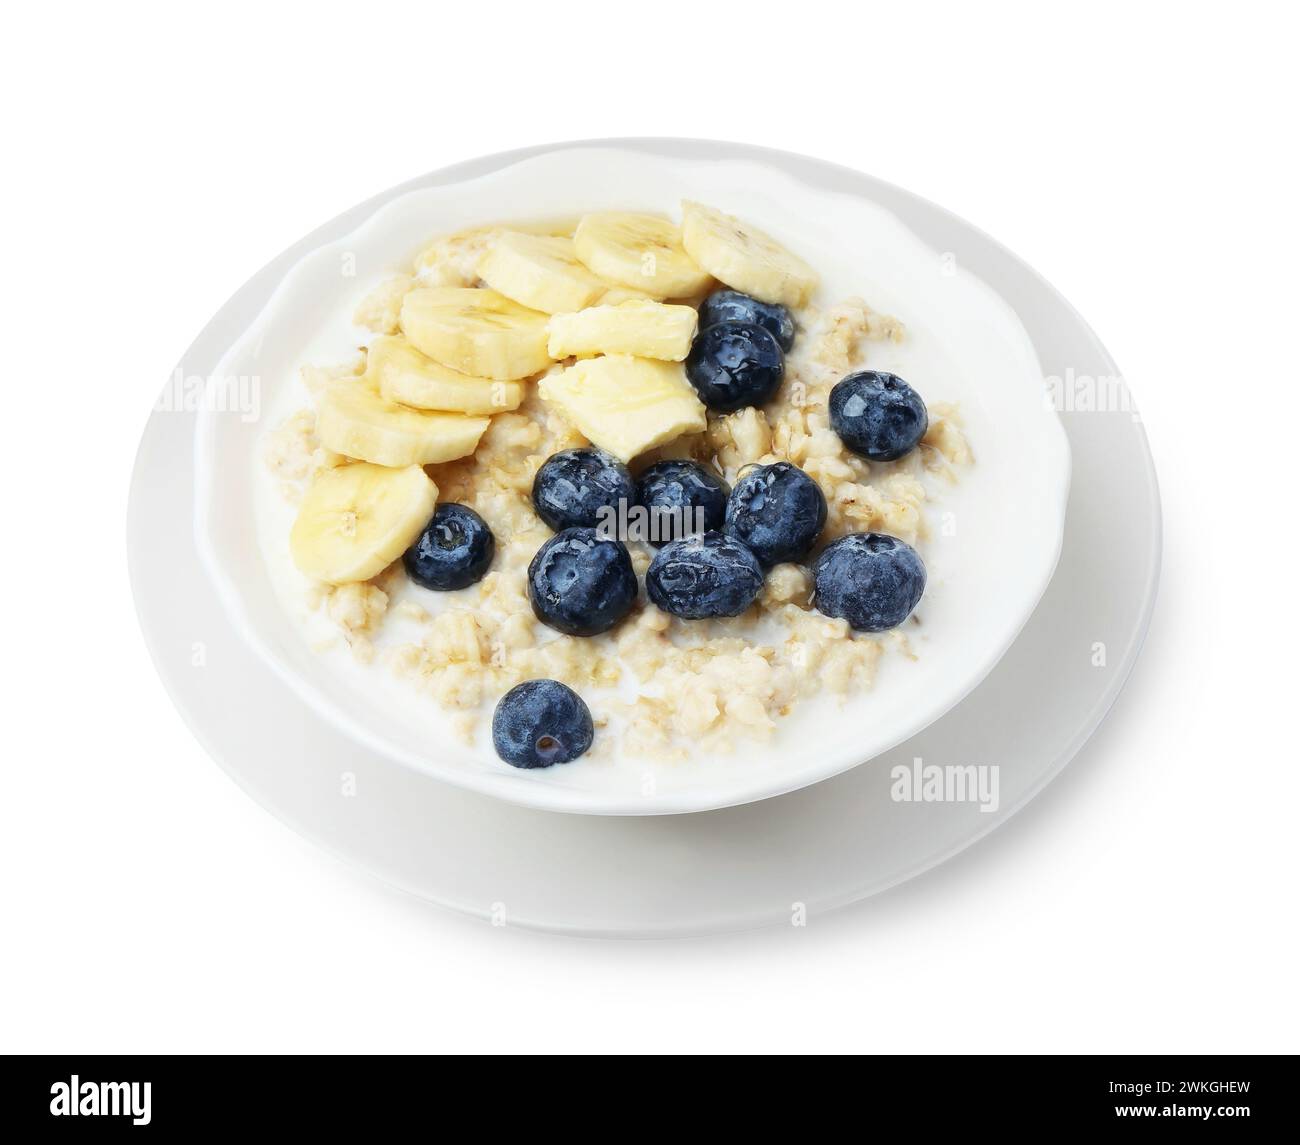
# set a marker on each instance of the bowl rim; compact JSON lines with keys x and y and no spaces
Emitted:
{"x":555,"y":797}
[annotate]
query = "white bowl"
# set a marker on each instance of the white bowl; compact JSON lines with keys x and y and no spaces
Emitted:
{"x":997,"y":535}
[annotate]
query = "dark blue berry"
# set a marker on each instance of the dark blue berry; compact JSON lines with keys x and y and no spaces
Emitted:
{"x":732,"y":306}
{"x":777,"y":511}
{"x":454,"y":551}
{"x":541,"y":722}
{"x":872,"y":580}
{"x":878,"y":415}
{"x":573,"y":486}
{"x":704,"y":576}
{"x":581,"y":582}
{"x":735,"y":364}
{"x":682,"y":497}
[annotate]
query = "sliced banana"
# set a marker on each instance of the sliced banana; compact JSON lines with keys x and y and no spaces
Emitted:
{"x":406,"y":376}
{"x":616,"y":294}
{"x":355,"y":419}
{"x":625,"y":405}
{"x":646,"y":329}
{"x":356,"y":520}
{"x":478,"y":332}
{"x":744,"y":258}
{"x":643,"y":252}
{"x":540,"y":271}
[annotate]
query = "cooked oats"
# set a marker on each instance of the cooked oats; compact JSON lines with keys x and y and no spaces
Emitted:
{"x":705,"y":682}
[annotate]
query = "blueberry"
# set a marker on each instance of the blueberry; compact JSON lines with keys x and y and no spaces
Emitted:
{"x":732,"y":306}
{"x":453,"y":552}
{"x":872,"y":580}
{"x":541,"y":722}
{"x":708,"y":575}
{"x":573,"y":486}
{"x":581,"y":582}
{"x":735,"y":364}
{"x":682,"y":497}
{"x":778,"y":511}
{"x":878,"y":415}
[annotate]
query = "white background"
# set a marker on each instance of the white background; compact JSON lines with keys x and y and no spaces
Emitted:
{"x":1141,"y":156}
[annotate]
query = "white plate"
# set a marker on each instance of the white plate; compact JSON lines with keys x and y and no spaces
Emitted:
{"x":822,"y":847}
{"x":965,"y":345}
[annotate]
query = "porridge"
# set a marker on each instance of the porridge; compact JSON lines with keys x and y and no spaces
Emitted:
{"x":628,"y":482}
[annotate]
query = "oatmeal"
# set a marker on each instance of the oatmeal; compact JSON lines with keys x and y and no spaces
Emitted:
{"x":675,"y":672}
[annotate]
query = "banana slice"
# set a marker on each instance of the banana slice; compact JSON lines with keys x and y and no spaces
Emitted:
{"x":355,"y":419}
{"x":626,"y":405}
{"x":616,"y":294}
{"x":406,"y":376}
{"x":744,"y":258}
{"x":540,"y":271}
{"x":643,"y":252}
{"x":646,"y":329}
{"x":356,"y":520}
{"x":478,"y":332}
